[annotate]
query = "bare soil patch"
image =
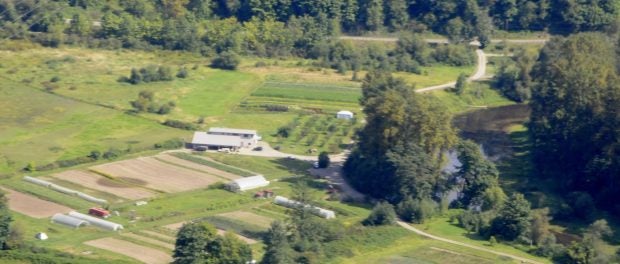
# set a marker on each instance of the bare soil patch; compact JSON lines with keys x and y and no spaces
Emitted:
{"x":157,"y":175}
{"x":248,"y":217}
{"x":196,"y":166}
{"x":141,"y":253}
{"x":100,"y":183}
{"x":176,"y":226}
{"x":33,"y":206}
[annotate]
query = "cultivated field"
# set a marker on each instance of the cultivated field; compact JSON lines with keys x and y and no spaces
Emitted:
{"x":97,"y":182}
{"x":176,"y":226}
{"x":141,"y":253}
{"x":32,"y":206}
{"x":193,"y":165}
{"x":149,"y":240}
{"x":151,"y":173}
{"x":249,"y":218}
{"x":319,"y":92}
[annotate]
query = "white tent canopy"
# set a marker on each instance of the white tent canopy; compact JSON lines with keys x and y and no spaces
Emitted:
{"x":96,"y":221}
{"x":68,"y":220}
{"x":247,"y":183}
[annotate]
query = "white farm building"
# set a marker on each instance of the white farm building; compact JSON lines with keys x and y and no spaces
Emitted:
{"x":247,"y":183}
{"x":344,"y":114}
{"x":218,"y":137}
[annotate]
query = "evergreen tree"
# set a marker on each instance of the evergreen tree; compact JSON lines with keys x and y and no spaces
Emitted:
{"x":5,"y":222}
{"x":513,"y":219}
{"x":277,"y":247}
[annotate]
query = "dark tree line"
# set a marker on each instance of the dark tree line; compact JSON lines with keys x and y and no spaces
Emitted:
{"x":282,"y":27}
{"x":575,"y":120}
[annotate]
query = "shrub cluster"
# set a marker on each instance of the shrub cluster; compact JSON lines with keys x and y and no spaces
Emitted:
{"x":151,"y":73}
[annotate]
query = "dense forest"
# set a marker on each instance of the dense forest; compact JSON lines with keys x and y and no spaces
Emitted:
{"x":283,"y":27}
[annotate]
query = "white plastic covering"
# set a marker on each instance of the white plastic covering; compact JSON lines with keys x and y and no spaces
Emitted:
{"x":64,"y":190}
{"x":37,"y":181}
{"x":91,"y":199}
{"x":247,"y":183}
{"x":68,"y":220}
{"x":283,"y":201}
{"x":96,"y":221}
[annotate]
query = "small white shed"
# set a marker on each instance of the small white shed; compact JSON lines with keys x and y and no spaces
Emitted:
{"x":247,"y":183}
{"x":344,"y":114}
{"x":41,"y":236}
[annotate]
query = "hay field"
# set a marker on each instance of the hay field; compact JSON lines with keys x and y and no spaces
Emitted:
{"x":247,"y":217}
{"x":141,"y":253}
{"x":100,"y":183}
{"x":151,"y":173}
{"x":196,"y":166}
{"x":32,"y":206}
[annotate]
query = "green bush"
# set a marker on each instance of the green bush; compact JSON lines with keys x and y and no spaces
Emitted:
{"x":226,"y":60}
{"x":179,"y":124}
{"x":382,"y":214}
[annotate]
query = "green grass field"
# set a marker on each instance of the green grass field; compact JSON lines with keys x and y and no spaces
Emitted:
{"x":309,"y":92}
{"x":87,"y":111}
{"x":39,"y":127}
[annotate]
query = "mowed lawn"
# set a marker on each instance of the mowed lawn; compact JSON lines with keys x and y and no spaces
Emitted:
{"x":39,"y":127}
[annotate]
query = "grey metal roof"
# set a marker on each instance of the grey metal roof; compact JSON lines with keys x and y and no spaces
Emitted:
{"x":202,"y":138}
{"x":231,"y":130}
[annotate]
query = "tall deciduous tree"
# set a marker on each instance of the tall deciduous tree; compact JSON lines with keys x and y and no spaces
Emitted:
{"x":192,"y":240}
{"x":414,"y":128}
{"x":575,"y":115}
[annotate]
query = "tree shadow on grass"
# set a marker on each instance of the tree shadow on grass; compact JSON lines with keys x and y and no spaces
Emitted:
{"x":294,"y":166}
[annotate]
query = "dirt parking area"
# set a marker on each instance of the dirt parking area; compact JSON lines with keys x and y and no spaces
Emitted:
{"x":141,"y":253}
{"x":33,"y":206}
{"x":154,"y":174}
{"x":100,"y":183}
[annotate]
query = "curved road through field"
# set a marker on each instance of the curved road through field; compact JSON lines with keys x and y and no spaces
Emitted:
{"x":482,"y":57}
{"x":422,"y":233}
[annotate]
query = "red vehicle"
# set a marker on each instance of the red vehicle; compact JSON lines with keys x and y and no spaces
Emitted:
{"x":99,"y":212}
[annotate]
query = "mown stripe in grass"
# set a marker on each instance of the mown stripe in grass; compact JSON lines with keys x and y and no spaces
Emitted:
{"x":216,"y":165}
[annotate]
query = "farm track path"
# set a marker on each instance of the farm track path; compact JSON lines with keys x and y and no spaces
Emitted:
{"x":481,"y":63}
{"x":422,"y":233}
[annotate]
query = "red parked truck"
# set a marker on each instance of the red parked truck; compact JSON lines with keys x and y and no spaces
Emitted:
{"x":99,"y":212}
